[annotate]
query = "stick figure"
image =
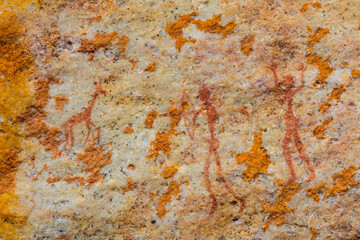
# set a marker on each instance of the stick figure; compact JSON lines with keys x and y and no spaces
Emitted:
{"x":209,"y":110}
{"x":286,"y":95}
{"x":83,"y":116}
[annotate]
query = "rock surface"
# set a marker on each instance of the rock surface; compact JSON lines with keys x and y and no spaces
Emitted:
{"x":153,"y":119}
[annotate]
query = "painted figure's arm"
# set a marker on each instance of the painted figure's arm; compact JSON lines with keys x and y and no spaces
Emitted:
{"x":273,"y":67}
{"x":302,"y":69}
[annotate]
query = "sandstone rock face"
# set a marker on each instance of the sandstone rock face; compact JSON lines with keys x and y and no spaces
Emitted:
{"x":182,"y":119}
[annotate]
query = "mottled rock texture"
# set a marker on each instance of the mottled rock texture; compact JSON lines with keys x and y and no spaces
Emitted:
{"x":182,"y":119}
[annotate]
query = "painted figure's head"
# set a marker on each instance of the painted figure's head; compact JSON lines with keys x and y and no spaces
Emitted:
{"x":289,"y":81}
{"x":204,"y":93}
{"x":99,"y":89}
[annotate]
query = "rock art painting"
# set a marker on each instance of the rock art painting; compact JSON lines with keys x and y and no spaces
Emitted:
{"x":216,"y":119}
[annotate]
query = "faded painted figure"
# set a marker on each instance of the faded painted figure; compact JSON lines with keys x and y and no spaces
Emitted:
{"x":286,"y":94}
{"x":209,"y":110}
{"x":83,"y":116}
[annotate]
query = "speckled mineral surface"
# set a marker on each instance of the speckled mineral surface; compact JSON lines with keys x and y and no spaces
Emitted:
{"x":179,"y":119}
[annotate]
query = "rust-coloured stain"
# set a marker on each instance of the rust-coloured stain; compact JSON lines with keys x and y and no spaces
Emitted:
{"x":244,"y":111}
{"x":286,"y":95}
{"x":172,"y":190}
{"x":103,"y":40}
{"x":60,"y":102}
{"x":83,"y":116}
{"x":128,"y":130}
{"x":336,"y":95}
{"x":312,"y":58}
{"x":246,"y":44}
{"x":342,"y":182}
{"x":175,"y":29}
{"x":151,"y":67}
{"x":319,"y":130}
{"x":278,"y":209}
{"x":257,"y":160}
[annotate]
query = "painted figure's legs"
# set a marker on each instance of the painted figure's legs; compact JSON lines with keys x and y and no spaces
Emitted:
{"x":227,"y":185}
{"x":303,"y":155}
{"x":287,"y":155}
{"x":208,"y":184}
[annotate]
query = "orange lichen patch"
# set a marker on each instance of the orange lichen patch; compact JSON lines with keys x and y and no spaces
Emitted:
{"x":162,"y":140}
{"x":150,"y":118}
{"x":257,"y":160}
{"x":314,"y":191}
{"x":246,"y":44}
{"x":175,"y":29}
{"x":130,"y":185}
{"x":131,"y":167}
{"x":128,"y":130}
{"x":172,"y":190}
{"x":213,"y":26}
{"x":11,"y":217}
{"x":133,"y":63}
{"x":16,"y":67}
{"x":9,"y":162}
{"x":323,"y":66}
{"x":63,"y":237}
{"x":278,"y":209}
{"x":34,"y":116}
{"x":342,"y":182}
{"x":336,"y":95}
{"x":40,"y":172}
{"x":160,"y":143}
{"x":319,"y":130}
{"x":169,"y":171}
{"x":314,"y":233}
{"x":60,"y":102}
{"x":151,"y":67}
{"x":93,"y":159}
{"x":94,"y":19}
{"x":316,"y":5}
{"x":128,"y":237}
{"x":103,"y":40}
{"x":317,"y":36}
{"x":304,"y":8}
{"x":355,"y":73}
